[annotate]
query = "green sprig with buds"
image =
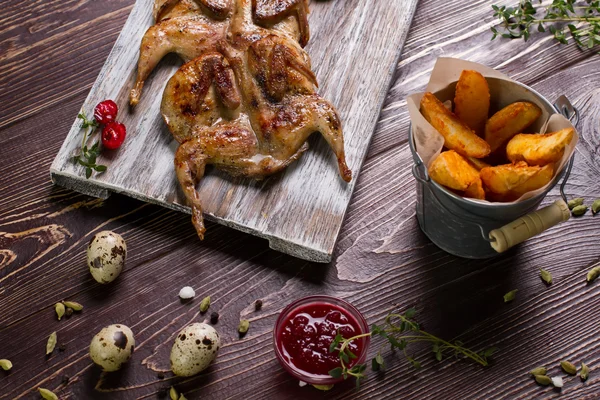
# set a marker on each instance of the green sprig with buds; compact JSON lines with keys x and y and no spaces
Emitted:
{"x":87,"y":156}
{"x":579,"y":20}
{"x":399,"y":330}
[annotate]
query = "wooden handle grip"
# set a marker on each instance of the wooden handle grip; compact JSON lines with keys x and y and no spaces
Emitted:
{"x":529,"y":226}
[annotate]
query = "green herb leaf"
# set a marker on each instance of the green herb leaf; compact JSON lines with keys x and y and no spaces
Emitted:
{"x":375,"y":366}
{"x":489,"y":352}
{"x":344,"y":357}
{"x":410,"y":313}
{"x":336,"y":372}
{"x":336,"y":341}
{"x":510,"y":296}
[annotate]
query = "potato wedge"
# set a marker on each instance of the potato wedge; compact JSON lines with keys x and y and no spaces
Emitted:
{"x":475,"y":190}
{"x":538,"y":149}
{"x":457,"y":136}
{"x":509,"y":121}
{"x":502,"y":179}
{"x":472,"y":100}
{"x":537,"y":181}
{"x":478,"y":164}
{"x":450,"y":169}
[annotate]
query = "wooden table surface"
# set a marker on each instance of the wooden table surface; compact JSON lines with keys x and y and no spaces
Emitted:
{"x":51,"y":53}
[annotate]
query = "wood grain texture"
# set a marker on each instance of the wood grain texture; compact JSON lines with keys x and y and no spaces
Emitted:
{"x":354,"y":47}
{"x":382,"y":260}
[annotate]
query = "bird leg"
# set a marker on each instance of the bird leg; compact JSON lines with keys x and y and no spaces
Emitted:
{"x":188,"y":37}
{"x":190,"y":163}
{"x":272,"y":11}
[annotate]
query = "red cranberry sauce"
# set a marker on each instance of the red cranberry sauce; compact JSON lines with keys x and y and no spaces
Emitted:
{"x":305,"y":337}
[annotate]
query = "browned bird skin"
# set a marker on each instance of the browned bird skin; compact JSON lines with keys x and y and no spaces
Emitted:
{"x":246,"y":103}
{"x":192,"y":27}
{"x":217,"y":9}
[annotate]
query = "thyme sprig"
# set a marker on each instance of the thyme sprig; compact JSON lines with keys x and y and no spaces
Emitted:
{"x":87,"y":157}
{"x":579,"y":20}
{"x":400,"y":330}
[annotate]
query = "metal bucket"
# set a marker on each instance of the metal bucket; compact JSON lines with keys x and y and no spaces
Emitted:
{"x":462,"y":226}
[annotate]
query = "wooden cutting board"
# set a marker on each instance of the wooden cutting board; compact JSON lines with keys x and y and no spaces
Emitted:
{"x":355,"y":45}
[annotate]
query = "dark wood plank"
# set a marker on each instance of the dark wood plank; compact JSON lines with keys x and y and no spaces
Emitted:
{"x":382,"y":258}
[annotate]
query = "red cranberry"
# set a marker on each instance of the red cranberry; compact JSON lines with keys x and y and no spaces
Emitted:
{"x":346,"y":331}
{"x":106,"y":112}
{"x":113,"y":135}
{"x":337,"y":317}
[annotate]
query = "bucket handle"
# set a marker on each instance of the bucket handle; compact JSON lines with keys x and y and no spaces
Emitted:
{"x":531,"y":224}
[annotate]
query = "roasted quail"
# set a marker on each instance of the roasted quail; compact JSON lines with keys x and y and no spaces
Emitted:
{"x":246,"y":102}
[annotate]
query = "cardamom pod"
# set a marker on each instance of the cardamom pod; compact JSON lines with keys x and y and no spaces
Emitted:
{"x":585,"y":372}
{"x":568,"y":367}
{"x":69,"y":312}
{"x":5,"y":364}
{"x":323,"y":387}
{"x":543,"y":380}
{"x":244,"y":326}
{"x":546,"y":276}
{"x":596,"y":206}
{"x":538,"y":371}
{"x":75,"y":306}
{"x":173,"y":393}
{"x":205,"y":304}
{"x":182,"y":397}
{"x":51,"y":343}
{"x":60,"y":310}
{"x":510,"y":296}
{"x":47,"y":395}
{"x":575,"y":202}
{"x":579,"y":210}
{"x":593,"y":274}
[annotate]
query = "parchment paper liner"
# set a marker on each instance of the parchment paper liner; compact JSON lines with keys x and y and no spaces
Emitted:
{"x":429,"y":142}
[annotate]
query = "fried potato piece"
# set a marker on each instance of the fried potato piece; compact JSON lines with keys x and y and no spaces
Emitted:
{"x":537,"y":181}
{"x":538,"y":149}
{"x":509,"y":121}
{"x":478,"y":164}
{"x":457,"y":136}
{"x":502,"y":179}
{"x":472,"y":100}
{"x":475,"y":190}
{"x":450,"y":169}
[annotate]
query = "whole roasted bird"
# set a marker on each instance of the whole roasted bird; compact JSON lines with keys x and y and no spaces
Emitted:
{"x":245,"y":100}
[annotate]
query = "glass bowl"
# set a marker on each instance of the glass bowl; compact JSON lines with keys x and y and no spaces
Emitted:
{"x":284,"y":317}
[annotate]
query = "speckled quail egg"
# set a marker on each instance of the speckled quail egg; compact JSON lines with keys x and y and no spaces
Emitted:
{"x":112,"y":347}
{"x":106,"y":256}
{"x":194,"y":349}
